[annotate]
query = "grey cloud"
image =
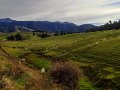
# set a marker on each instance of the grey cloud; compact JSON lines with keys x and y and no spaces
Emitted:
{"x":113,"y":4}
{"x":77,"y":11}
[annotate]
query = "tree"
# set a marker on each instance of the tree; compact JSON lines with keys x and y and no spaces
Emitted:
{"x":110,"y":22}
{"x":12,"y":37}
{"x":8,"y":38}
{"x":61,"y":33}
{"x":109,"y":26}
{"x":44,"y":35}
{"x":33,"y":34}
{"x":18,"y":37}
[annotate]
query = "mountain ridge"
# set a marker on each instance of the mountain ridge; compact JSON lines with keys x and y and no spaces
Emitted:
{"x":7,"y":20}
{"x":8,"y":25}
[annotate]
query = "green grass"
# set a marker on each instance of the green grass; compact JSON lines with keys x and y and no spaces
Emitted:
{"x":38,"y":62}
{"x":86,"y":85}
{"x":22,"y":79}
{"x":8,"y":78}
{"x":16,"y":52}
{"x":105,"y":52}
{"x":80,"y":49}
{"x":2,"y":36}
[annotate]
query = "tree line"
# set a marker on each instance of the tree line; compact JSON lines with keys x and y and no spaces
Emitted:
{"x":46,"y":34}
{"x":16,"y":37}
{"x":107,"y":26}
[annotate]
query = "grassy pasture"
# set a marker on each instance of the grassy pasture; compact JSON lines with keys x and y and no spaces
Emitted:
{"x":99,"y":50}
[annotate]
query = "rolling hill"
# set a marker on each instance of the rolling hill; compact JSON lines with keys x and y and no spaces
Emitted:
{"x":95,"y":53}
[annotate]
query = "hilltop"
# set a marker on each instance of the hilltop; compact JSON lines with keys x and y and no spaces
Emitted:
{"x":6,"y":20}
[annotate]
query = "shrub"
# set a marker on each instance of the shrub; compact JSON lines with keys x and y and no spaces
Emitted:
{"x":14,"y":73}
{"x":16,"y":37}
{"x":2,"y":84}
{"x":65,"y":74}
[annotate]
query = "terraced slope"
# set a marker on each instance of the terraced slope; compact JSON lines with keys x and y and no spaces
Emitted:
{"x":97,"y":53}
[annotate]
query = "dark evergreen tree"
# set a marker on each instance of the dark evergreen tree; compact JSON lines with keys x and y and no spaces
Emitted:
{"x":61,"y":33}
{"x":33,"y":34}
{"x":8,"y":38}
{"x":18,"y":37}
{"x":108,"y":26}
{"x":43,"y":35}
{"x":12,"y":37}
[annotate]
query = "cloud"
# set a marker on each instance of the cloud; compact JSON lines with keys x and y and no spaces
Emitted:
{"x":115,"y":3}
{"x":76,"y":11}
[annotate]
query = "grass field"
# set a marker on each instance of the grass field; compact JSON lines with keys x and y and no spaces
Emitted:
{"x":96,"y":53}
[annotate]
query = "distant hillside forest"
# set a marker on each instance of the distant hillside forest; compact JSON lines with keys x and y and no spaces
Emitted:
{"x":9,"y":25}
{"x":108,"y":26}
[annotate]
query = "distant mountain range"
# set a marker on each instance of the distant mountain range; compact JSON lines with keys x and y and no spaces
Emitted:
{"x":8,"y":25}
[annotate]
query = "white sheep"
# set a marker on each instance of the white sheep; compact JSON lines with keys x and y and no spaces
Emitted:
{"x":43,"y":70}
{"x":110,"y":38}
{"x":97,"y":43}
{"x":20,"y":62}
{"x":23,"y":60}
{"x":89,"y":45}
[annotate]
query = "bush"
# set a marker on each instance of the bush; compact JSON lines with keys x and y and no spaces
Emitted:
{"x":16,"y":37}
{"x":65,"y":74}
{"x":2,"y":84}
{"x":10,"y":37}
{"x":14,"y":73}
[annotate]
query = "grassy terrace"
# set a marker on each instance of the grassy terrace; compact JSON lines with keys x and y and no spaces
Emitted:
{"x":98,"y":50}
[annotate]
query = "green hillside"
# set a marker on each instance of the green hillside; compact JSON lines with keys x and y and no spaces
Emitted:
{"x":97,"y":54}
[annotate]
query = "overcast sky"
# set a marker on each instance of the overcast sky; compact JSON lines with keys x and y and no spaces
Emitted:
{"x":76,"y":11}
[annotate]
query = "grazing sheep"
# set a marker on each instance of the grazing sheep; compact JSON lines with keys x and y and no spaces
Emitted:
{"x":97,"y":43}
{"x":110,"y":38}
{"x":43,"y":70}
{"x":75,"y":40}
{"x":89,"y":45}
{"x":104,"y":39}
{"x":23,"y":60}
{"x":20,"y":62}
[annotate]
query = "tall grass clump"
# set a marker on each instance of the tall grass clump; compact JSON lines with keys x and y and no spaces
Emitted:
{"x":65,"y":75}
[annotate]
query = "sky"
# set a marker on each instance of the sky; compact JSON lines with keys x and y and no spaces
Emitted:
{"x":76,"y":11}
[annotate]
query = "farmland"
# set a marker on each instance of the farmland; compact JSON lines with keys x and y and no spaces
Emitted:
{"x":95,"y":54}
